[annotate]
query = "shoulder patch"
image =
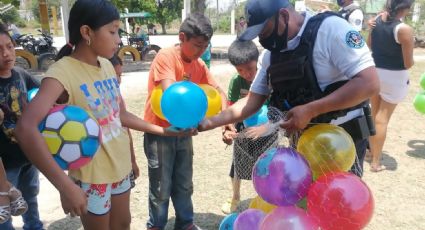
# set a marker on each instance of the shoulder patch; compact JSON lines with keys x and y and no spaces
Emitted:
{"x":354,"y":39}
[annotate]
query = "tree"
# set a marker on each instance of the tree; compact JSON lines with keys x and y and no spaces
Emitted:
{"x":199,"y":6}
{"x":167,"y":11}
{"x":16,"y":3}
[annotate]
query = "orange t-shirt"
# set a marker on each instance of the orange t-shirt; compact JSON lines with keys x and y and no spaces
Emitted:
{"x":168,"y":64}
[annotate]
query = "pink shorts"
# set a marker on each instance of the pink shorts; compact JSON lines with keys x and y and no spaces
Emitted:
{"x":99,"y":195}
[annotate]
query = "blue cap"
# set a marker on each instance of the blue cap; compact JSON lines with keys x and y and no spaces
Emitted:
{"x":257,"y":12}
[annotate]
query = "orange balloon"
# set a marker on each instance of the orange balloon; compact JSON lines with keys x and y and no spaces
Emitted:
{"x":262,"y":205}
{"x":214,"y":100}
{"x":156,"y":102}
{"x":327,"y":148}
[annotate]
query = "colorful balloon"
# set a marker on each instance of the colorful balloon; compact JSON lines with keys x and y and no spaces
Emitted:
{"x":281,"y":176}
{"x":258,"y":118}
{"x":156,"y":101}
{"x":228,"y":222}
{"x":249,"y":219}
{"x":214,"y":100}
{"x":419,"y":102}
{"x":260,"y":204}
{"x":340,"y":201}
{"x":327,"y":148}
{"x":31,"y":93}
{"x":184,"y":104}
{"x":288,"y":218}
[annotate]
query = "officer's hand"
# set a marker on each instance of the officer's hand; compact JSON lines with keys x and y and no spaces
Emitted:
{"x":297,"y":118}
{"x":229,"y":132}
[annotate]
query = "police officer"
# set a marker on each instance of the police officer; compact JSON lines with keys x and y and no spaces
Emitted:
{"x":352,"y":12}
{"x":339,"y":55}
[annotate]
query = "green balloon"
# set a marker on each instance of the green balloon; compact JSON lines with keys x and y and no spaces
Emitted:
{"x":422,"y":81}
{"x":419,"y":103}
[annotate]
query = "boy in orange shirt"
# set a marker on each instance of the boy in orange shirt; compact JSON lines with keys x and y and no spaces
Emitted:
{"x":170,"y":158}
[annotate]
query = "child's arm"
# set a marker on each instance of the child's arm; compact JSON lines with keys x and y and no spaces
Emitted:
{"x":134,"y":166}
{"x":73,"y":199}
{"x":134,"y":122}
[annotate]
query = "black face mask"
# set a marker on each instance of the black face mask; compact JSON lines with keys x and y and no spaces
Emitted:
{"x":275,"y":42}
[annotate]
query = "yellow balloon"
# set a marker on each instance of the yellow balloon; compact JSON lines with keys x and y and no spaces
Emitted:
{"x":156,"y":101}
{"x":214,"y":100}
{"x":262,"y":205}
{"x":327,"y":148}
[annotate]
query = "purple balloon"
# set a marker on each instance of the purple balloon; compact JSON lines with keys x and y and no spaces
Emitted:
{"x":288,"y":218}
{"x":281,"y":176}
{"x":249,"y":219}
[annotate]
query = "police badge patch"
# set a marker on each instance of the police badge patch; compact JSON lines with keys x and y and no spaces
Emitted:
{"x":354,"y":39}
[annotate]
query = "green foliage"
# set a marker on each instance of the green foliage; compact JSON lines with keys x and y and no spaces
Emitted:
{"x":11,"y":15}
{"x":224,"y":24}
{"x":35,"y":8}
{"x":13,"y":2}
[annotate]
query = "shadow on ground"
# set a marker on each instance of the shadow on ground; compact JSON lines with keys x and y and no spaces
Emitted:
{"x":68,"y":223}
{"x":417,"y":149}
{"x":209,"y":221}
{"x":389,"y":161}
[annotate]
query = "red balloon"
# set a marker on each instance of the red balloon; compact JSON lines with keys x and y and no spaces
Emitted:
{"x":340,"y":201}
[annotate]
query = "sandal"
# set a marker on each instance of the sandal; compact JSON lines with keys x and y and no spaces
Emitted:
{"x":18,"y":205}
{"x":4,"y":210}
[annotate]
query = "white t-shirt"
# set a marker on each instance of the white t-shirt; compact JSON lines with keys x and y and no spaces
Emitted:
{"x":339,"y":54}
{"x":14,"y":29}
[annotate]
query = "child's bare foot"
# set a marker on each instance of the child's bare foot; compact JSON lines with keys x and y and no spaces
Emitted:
{"x":377,"y":168}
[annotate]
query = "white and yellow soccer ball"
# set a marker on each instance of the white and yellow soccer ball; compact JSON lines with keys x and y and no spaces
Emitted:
{"x":72,"y":135}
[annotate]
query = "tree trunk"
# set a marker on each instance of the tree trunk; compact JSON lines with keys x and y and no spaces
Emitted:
{"x":199,"y":6}
{"x":164,"y":31}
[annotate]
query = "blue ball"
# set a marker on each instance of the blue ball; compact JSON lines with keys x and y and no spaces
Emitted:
{"x":31,"y":93}
{"x":228,"y":221}
{"x":259,"y":118}
{"x":184,"y":104}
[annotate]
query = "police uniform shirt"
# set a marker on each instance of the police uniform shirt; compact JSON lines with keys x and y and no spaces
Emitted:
{"x":339,"y":54}
{"x":356,"y":17}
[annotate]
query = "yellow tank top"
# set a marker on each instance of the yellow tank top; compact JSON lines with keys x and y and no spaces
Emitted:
{"x":96,"y":89}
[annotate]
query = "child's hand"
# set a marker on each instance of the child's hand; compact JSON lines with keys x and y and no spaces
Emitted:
{"x":74,"y":200}
{"x":1,"y":116}
{"x":229,"y":133}
{"x":136,"y":170}
{"x":175,"y":131}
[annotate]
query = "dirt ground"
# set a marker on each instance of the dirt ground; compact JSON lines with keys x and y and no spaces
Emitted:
{"x":398,"y":191}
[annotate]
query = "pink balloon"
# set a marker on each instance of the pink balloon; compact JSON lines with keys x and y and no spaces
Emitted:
{"x":340,"y":201}
{"x":288,"y":218}
{"x":249,"y":219}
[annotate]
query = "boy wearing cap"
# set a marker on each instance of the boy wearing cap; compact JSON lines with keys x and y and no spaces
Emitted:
{"x":330,"y":56}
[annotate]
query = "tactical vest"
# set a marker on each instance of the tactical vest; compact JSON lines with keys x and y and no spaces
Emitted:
{"x":346,"y":13}
{"x":293,"y":79}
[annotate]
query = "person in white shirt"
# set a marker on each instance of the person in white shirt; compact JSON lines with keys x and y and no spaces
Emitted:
{"x":352,"y":12}
{"x":14,"y":29}
{"x":339,"y":54}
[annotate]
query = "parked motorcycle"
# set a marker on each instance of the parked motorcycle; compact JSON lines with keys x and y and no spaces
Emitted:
{"x":42,"y":47}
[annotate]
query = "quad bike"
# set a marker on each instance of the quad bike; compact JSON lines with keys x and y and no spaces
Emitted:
{"x":139,"y":47}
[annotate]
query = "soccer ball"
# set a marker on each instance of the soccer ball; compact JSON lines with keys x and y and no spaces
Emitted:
{"x":72,"y":135}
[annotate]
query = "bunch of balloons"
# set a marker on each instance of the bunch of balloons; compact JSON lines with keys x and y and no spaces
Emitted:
{"x":315,"y":177}
{"x":419,"y":101}
{"x":184,"y":104}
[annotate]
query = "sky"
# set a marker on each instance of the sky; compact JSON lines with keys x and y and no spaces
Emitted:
{"x":222,"y":4}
